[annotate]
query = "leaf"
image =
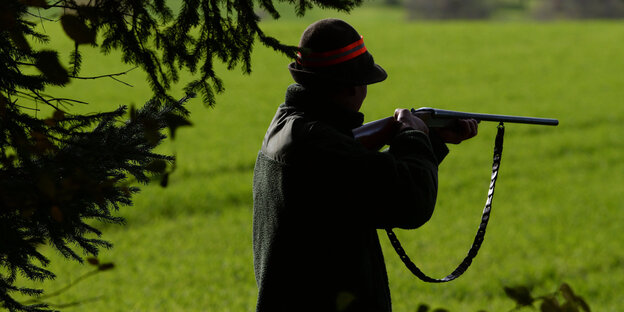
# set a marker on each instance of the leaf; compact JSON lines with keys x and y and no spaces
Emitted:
{"x":521,"y":295}
{"x":165,"y":180}
{"x":106,"y":266}
{"x":569,"y":306}
{"x":58,"y":115}
{"x":422,"y":308}
{"x":174,"y":122}
{"x":77,"y":30}
{"x":581,"y":302}
{"x":47,"y":62}
{"x":19,"y":40}
{"x":49,"y":122}
{"x":42,"y":143}
{"x":550,"y":304}
{"x":151,"y":130}
{"x":156,"y":165}
{"x":75,"y":60}
{"x":126,"y":191}
{"x":570,"y":296}
{"x":567,"y":292}
{"x":35,"y":3}
{"x":133,"y":113}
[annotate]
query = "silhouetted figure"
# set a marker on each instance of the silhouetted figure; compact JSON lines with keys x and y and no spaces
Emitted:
{"x":320,"y":195}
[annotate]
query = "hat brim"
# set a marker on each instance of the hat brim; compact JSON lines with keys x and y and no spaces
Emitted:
{"x":302,"y":76}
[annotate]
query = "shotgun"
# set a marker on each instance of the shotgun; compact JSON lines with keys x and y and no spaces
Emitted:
{"x":375,"y":134}
{"x":442,"y":118}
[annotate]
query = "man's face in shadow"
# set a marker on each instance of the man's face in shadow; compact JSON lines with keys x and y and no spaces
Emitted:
{"x":353,"y":97}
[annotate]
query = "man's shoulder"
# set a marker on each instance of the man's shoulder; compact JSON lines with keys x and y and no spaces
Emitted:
{"x":301,"y":124}
{"x":288,"y":128}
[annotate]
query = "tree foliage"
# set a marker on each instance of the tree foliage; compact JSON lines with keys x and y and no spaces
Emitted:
{"x":58,"y":172}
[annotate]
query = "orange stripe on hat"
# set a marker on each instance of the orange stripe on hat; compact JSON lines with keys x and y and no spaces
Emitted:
{"x":322,"y":59}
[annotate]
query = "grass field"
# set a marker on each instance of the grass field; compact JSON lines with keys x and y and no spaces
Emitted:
{"x":557,"y":214}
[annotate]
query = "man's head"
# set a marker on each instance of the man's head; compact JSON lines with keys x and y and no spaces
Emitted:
{"x":333,"y":55}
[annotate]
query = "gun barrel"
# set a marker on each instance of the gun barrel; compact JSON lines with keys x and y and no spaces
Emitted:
{"x":448,"y":114}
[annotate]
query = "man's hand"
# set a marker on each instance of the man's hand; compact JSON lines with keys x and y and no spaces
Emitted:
{"x":407,"y":120}
{"x":462,"y":130}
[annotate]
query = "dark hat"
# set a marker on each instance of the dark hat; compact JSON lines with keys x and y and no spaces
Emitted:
{"x":331,"y":52}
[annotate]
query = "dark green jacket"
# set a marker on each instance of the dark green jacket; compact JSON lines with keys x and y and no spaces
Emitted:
{"x":319,"y":197}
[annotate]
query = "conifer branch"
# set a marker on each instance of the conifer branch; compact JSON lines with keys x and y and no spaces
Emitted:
{"x":112,"y":76}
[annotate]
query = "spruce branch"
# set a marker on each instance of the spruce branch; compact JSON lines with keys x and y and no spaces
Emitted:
{"x":112,"y":76}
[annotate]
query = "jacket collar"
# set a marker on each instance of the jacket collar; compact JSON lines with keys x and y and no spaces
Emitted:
{"x":321,"y":108}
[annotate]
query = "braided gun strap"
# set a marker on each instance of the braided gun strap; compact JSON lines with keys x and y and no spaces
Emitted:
{"x":478,"y":240}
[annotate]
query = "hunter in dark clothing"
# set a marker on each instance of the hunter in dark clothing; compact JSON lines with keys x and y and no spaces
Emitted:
{"x":320,"y":195}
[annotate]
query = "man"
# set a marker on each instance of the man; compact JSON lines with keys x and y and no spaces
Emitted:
{"x":320,"y":195}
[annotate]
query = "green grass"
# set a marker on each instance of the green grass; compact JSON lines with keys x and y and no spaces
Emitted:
{"x":557,"y":212}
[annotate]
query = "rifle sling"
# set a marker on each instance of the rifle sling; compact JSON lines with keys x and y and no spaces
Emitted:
{"x":478,"y":240}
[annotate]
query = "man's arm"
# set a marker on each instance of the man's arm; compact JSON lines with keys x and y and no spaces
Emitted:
{"x":376,"y":134}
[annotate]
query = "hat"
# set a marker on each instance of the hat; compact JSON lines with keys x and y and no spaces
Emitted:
{"x":331,"y":52}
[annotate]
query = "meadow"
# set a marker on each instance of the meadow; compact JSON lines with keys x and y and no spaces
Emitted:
{"x":557,"y":214}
